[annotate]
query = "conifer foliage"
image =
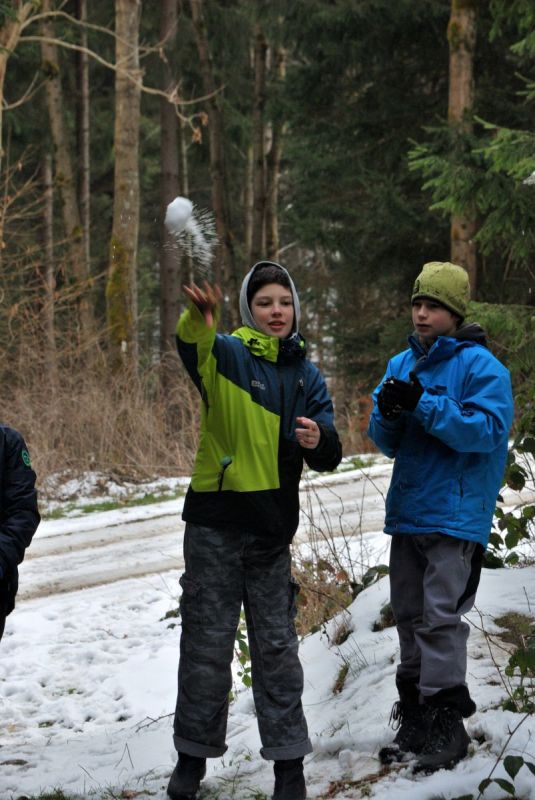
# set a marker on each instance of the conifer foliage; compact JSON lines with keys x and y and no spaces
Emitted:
{"x":316,"y":132}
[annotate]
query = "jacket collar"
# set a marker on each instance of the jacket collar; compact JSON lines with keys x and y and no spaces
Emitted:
{"x":271,"y":347}
{"x":443,"y":348}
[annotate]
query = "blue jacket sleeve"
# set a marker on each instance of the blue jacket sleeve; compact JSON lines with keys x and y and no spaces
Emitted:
{"x":479,"y":419}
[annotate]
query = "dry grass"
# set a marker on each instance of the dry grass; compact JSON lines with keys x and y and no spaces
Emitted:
{"x":325,"y":591}
{"x":125,"y":426}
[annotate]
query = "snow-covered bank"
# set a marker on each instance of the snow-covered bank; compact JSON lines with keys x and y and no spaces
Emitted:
{"x":87,"y":681}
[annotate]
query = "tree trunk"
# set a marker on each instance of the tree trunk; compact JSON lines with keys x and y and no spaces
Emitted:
{"x":9,"y":37}
{"x":83,"y":131}
{"x":462,"y":42}
{"x":183,"y":180}
{"x":258,"y":142}
{"x":273,"y":161}
{"x":169,"y":186}
{"x":121,"y":288}
{"x":48,"y":276}
{"x":65,"y":180}
{"x":248,"y":202}
{"x":227,"y":275}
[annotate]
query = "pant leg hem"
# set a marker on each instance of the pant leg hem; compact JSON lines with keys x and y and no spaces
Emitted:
{"x":287,"y":752}
{"x":455,"y":697}
{"x":197,"y":748}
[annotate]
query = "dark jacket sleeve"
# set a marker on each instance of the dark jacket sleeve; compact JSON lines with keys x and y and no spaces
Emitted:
{"x":328,"y":454}
{"x":19,"y":515}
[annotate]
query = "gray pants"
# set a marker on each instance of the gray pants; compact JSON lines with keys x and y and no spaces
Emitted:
{"x":433,"y":582}
{"x":223,"y":570}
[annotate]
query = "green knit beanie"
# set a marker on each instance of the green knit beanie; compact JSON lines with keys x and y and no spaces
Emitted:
{"x":446,"y":283}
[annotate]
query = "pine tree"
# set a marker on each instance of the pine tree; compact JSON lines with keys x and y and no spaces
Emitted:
{"x":485,"y":168}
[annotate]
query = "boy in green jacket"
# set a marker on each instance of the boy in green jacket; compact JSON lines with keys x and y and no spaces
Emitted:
{"x":265,"y":408}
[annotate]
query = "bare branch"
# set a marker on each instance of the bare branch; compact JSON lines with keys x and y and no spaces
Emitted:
{"x":32,"y":90}
{"x":172,"y":95}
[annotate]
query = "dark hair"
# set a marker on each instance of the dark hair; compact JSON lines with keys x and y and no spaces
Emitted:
{"x":264,"y":274}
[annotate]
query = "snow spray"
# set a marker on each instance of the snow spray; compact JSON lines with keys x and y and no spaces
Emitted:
{"x":193,"y":231}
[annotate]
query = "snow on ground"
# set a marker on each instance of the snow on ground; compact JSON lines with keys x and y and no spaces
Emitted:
{"x":88,"y":680}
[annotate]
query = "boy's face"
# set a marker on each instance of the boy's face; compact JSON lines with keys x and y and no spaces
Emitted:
{"x":431,"y":320}
{"x":273,"y":310}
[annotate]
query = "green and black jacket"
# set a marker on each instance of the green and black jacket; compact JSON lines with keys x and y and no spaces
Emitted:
{"x":249,"y":463}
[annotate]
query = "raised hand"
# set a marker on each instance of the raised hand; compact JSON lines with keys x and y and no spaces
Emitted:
{"x":206,"y":299}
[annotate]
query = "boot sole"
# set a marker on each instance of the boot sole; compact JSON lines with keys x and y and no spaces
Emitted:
{"x":388,"y":756}
{"x":391,"y":758}
{"x":428,"y":769}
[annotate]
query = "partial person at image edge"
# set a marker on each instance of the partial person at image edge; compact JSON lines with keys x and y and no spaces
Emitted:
{"x":443,"y":411}
{"x":19,"y":515}
{"x":265,"y":408}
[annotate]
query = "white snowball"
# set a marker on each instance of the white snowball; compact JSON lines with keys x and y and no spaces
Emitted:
{"x":178,"y":213}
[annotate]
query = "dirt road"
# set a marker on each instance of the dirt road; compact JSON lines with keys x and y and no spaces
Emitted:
{"x":64,"y":559}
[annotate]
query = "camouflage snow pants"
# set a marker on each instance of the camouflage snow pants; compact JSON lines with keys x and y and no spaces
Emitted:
{"x":223,"y":570}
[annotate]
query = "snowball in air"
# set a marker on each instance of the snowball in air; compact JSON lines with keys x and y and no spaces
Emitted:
{"x":178,"y":213}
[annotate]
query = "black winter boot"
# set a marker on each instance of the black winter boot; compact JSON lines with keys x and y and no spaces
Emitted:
{"x":410,"y":720}
{"x":186,"y":778}
{"x":447,"y":740}
{"x":289,"y":780}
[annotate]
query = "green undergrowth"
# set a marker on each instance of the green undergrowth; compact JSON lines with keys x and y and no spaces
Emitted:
{"x":74,"y":509}
{"x":101,"y":794}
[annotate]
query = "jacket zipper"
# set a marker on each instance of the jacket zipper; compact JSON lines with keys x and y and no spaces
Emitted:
{"x":225,"y":462}
{"x":298,"y":390}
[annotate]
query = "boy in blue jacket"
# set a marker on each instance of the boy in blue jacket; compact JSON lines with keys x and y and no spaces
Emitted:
{"x":443,"y":411}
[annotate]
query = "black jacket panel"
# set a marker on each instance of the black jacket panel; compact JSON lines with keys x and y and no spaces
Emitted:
{"x":19,"y":515}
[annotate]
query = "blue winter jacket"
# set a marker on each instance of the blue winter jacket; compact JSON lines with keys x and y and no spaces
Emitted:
{"x":450,"y":452}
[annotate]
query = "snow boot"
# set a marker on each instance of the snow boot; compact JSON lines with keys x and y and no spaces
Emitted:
{"x":408,"y":718}
{"x":410,"y":722}
{"x":447,"y":740}
{"x":186,"y":778}
{"x":289,"y":780}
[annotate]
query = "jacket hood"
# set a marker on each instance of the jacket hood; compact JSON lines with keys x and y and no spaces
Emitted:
{"x":471,"y":332}
{"x":466,"y":332}
{"x":245,"y":311}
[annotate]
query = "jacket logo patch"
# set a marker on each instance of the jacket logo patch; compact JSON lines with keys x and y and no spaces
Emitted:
{"x":26,"y":458}
{"x":258,"y":385}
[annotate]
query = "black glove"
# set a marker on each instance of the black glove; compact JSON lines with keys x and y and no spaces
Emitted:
{"x":401,"y":394}
{"x":388,"y":409}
